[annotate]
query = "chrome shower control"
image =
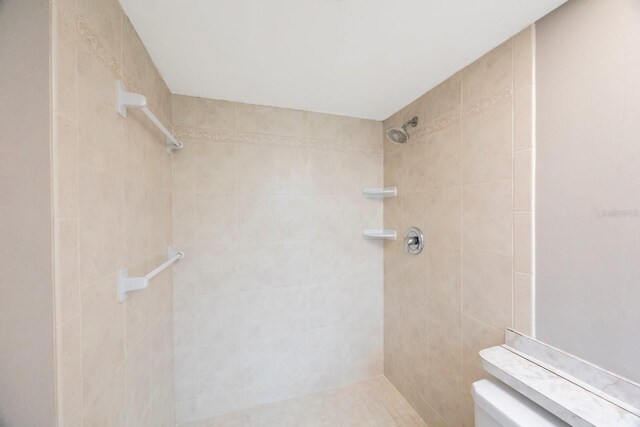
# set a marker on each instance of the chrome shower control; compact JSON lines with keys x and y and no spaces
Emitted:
{"x":414,"y":240}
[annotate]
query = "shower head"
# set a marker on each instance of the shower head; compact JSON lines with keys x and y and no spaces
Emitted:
{"x":399,"y":135}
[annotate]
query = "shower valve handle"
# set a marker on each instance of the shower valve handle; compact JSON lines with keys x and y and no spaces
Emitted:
{"x":414,"y":241}
{"x":410,"y":241}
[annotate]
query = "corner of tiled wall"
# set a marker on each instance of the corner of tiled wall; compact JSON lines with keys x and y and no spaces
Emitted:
{"x":465,"y":179}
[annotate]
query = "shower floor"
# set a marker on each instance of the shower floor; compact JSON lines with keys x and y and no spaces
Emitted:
{"x":374,"y":402}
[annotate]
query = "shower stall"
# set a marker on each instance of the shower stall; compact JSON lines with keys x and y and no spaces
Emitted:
{"x":209,"y":255}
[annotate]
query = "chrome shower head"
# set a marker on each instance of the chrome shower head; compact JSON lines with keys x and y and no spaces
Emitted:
{"x":400,"y":135}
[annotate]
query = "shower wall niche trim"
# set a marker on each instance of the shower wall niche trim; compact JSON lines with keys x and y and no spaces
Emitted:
{"x":379,"y":193}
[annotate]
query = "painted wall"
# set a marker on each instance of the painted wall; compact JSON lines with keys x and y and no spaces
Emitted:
{"x":112,"y":210}
{"x":279,"y":295}
{"x":465,"y":180}
{"x":26,"y":268}
{"x":588,"y":219}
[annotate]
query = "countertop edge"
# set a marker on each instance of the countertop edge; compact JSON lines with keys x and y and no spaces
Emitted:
{"x":563,"y":398}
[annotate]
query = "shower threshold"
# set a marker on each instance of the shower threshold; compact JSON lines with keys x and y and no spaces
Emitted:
{"x":373,"y":402}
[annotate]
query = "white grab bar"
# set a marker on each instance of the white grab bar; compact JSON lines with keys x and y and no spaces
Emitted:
{"x":129,"y":284}
{"x":126,"y":99}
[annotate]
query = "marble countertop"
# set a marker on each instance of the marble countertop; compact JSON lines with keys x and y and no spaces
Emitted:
{"x":567,"y":400}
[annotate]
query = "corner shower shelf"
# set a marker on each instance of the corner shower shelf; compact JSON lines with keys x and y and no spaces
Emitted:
{"x":379,"y":193}
{"x":379,"y":234}
{"x":129,"y":284}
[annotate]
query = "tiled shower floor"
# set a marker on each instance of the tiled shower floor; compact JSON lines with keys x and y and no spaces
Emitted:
{"x":373,"y":402}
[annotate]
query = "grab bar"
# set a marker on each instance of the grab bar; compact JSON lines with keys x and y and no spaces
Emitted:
{"x":129,"y":284}
{"x":126,"y":99}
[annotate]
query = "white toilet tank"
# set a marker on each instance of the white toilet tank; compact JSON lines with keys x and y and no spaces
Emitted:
{"x":498,"y":405}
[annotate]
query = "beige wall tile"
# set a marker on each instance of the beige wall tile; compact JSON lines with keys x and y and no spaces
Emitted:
{"x":445,"y":276}
{"x":99,"y":224}
{"x":444,"y":327}
{"x":184,"y":173}
{"x":487,"y":145}
{"x":443,"y":98}
{"x":488,"y":76}
{"x":159,"y":223}
{"x":102,"y":336}
{"x":487,"y":288}
{"x":135,"y":154}
{"x":414,"y":167}
{"x":393,"y":170}
{"x":445,"y":389}
{"x":523,"y":60}
{"x":415,"y":209}
{"x":257,"y":219}
{"x":135,"y":221}
{"x":415,"y":274}
{"x":523,"y":296}
{"x":523,"y":242}
{"x":134,"y":59}
{"x":66,"y":7}
{"x":69,"y":358}
{"x":325,"y":126}
{"x":475,"y":337}
{"x":443,"y":161}
{"x":183,"y":110}
{"x":137,"y":310}
{"x":138,"y":383}
{"x":393,"y":213}
{"x":523,"y":119}
{"x":487,"y":224}
{"x":523,"y":180}
{"x":258,"y":171}
{"x":63,"y":67}
{"x":104,"y":17}
{"x":426,"y":411}
{"x":271,"y":120}
{"x":167,"y":107}
{"x":360,"y":133}
{"x":67,"y":294}
{"x":293,"y":214}
{"x":214,"y":114}
{"x":108,"y":409}
{"x":443,"y":227}
{"x":155,"y":92}
{"x":99,"y":125}
{"x":293,"y":170}
{"x":216,"y":217}
{"x":215,"y":167}
{"x":184,"y":218}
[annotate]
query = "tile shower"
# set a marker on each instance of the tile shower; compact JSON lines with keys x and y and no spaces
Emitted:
{"x":279,"y":304}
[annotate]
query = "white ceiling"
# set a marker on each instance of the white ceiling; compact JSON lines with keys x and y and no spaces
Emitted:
{"x":361,"y":58}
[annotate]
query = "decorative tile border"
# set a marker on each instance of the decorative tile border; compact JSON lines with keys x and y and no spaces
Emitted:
{"x":90,"y":39}
{"x":188,"y":134}
{"x":487,"y":103}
